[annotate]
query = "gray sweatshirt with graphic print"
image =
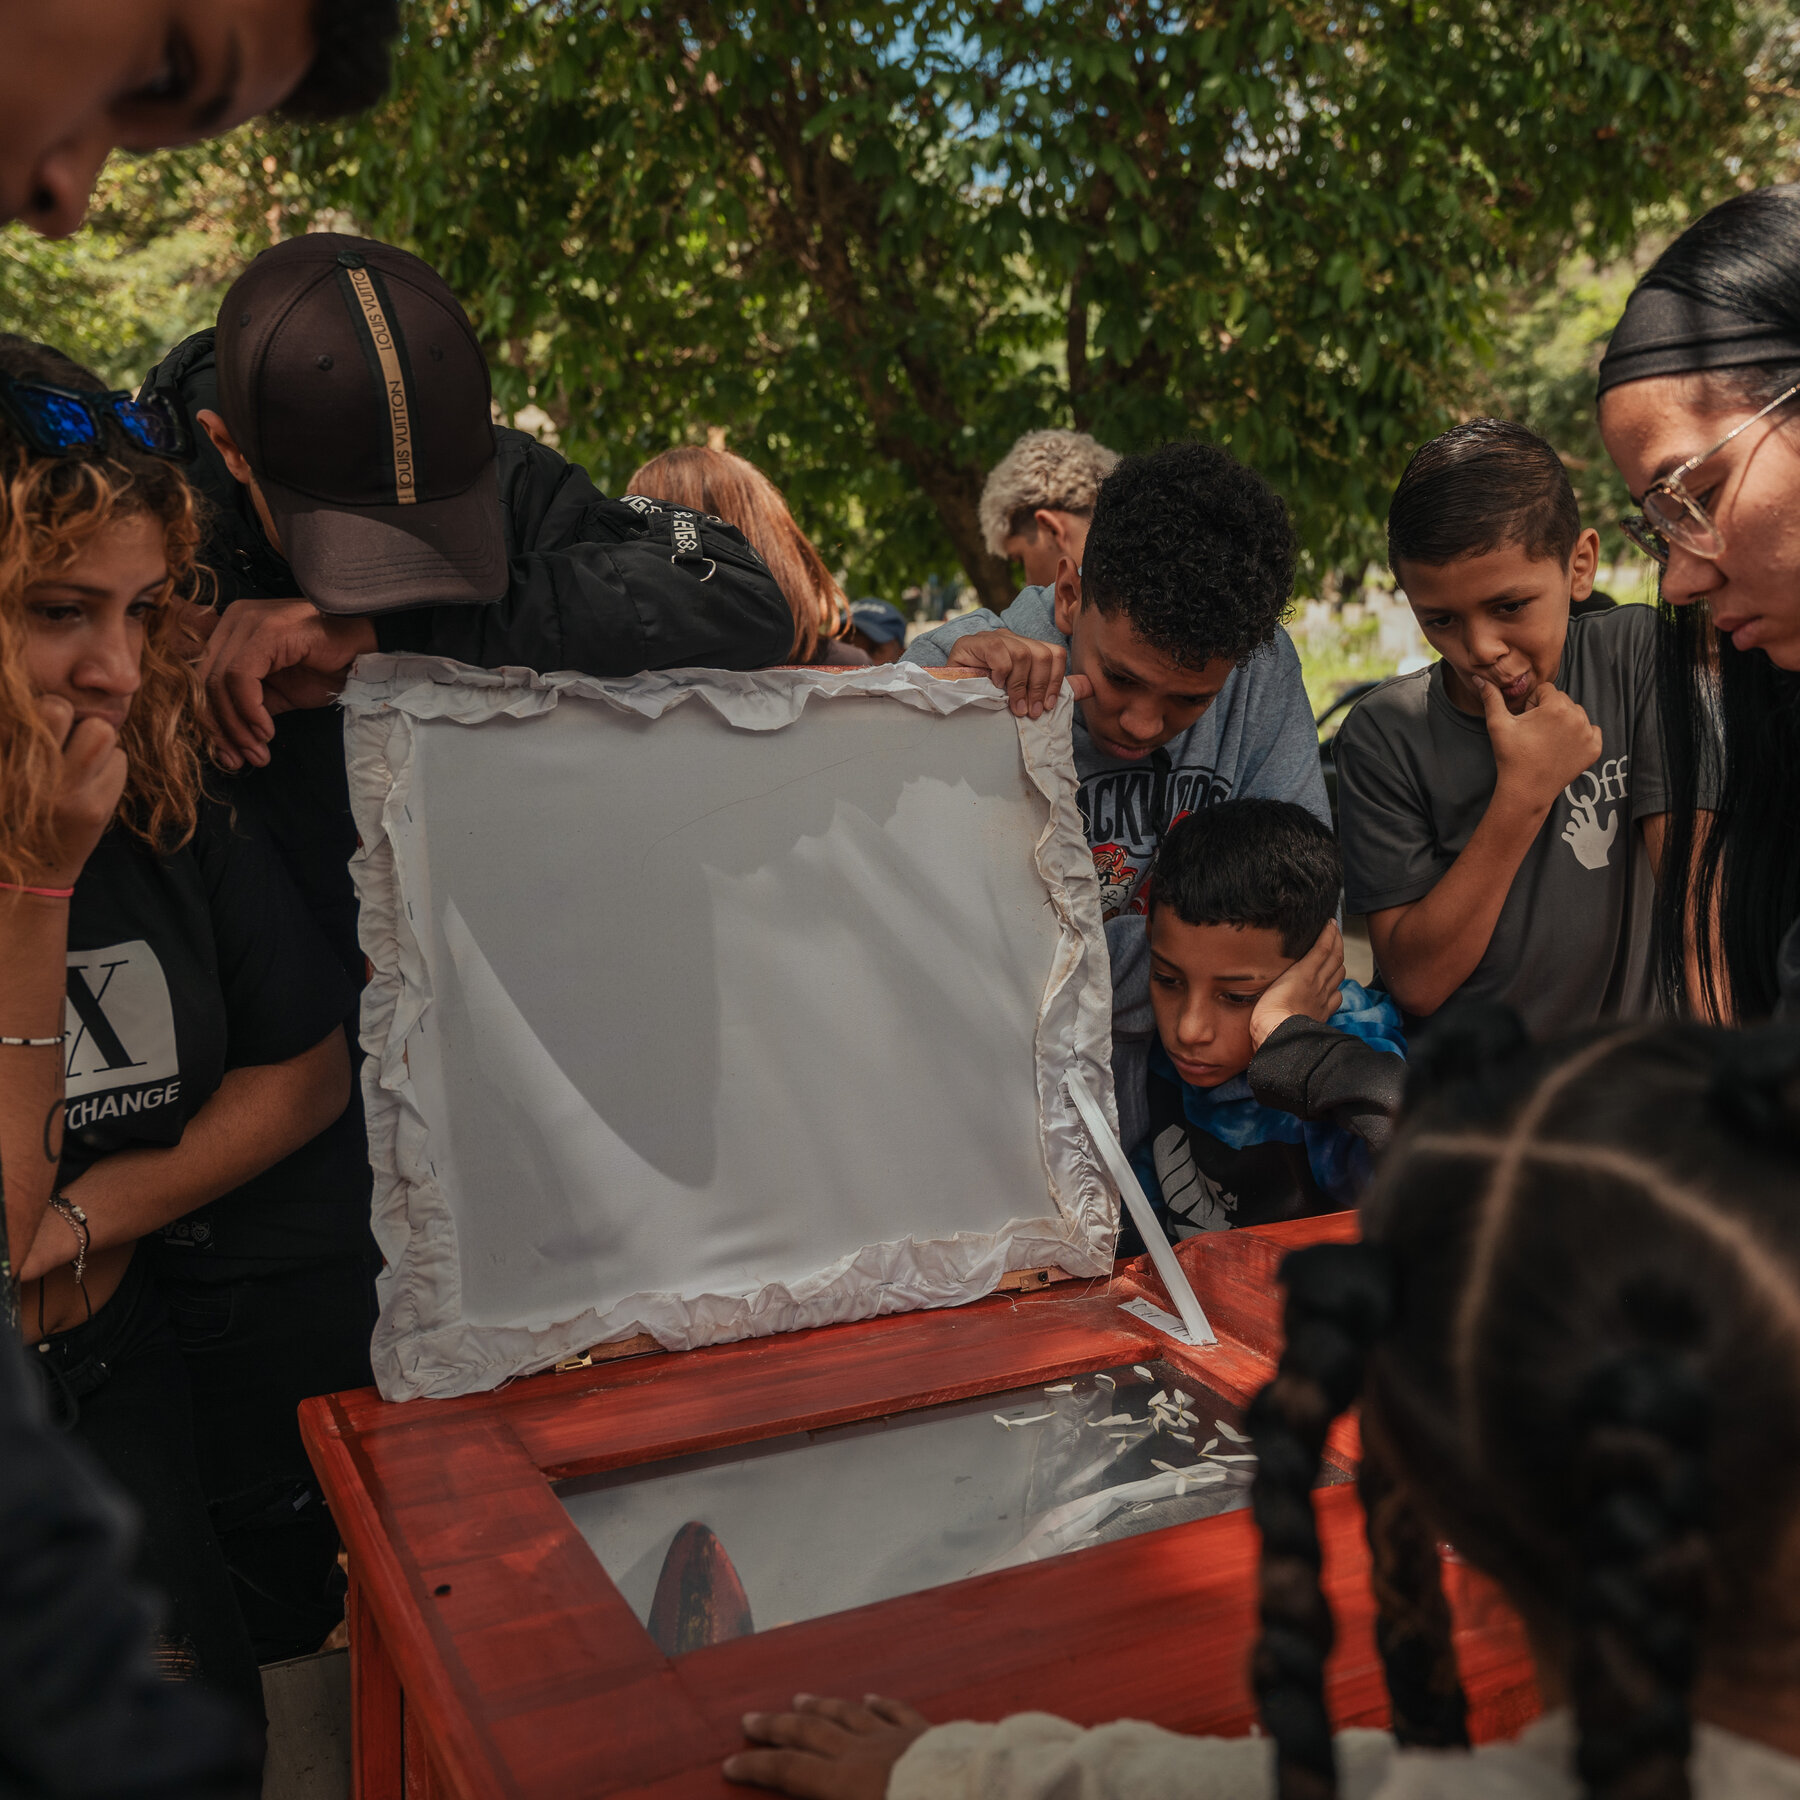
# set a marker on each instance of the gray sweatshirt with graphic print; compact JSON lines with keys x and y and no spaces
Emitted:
{"x":1257,"y":739}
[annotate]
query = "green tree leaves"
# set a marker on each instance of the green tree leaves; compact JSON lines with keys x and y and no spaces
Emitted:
{"x":873,"y":240}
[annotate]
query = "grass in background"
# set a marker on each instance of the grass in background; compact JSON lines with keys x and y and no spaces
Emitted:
{"x":1330,"y":663}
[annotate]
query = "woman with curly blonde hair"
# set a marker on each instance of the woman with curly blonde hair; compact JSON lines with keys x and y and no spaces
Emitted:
{"x":715,"y":481}
{"x":49,"y":510}
{"x":170,"y":1018}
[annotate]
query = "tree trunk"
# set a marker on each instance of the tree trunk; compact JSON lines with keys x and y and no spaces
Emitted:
{"x":811,"y":222}
{"x":955,"y":492}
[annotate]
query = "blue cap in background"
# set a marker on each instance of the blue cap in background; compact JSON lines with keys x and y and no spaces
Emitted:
{"x":879,"y":622}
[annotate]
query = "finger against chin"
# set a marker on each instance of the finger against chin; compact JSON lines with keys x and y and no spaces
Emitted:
{"x":88,"y":746}
{"x":57,"y":714}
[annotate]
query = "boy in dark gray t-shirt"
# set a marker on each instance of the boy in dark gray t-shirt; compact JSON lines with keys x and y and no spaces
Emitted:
{"x":1502,"y":811}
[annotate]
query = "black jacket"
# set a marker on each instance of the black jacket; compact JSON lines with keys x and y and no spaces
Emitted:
{"x":1305,"y":1068}
{"x":593,"y":589}
{"x":1314,"y":1072}
{"x":83,"y":1713}
{"x":584,"y":595}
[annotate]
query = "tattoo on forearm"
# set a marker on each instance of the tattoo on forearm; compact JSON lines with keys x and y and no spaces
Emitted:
{"x":53,"y":1124}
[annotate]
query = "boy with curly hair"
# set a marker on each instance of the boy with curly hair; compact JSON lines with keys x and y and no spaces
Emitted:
{"x":1187,"y":689}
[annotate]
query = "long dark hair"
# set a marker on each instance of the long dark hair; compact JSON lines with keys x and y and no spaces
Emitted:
{"x":1730,"y":716}
{"x":1575,"y":1334}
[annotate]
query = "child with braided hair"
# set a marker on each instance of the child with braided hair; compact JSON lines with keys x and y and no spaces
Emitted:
{"x":1573,"y":1329}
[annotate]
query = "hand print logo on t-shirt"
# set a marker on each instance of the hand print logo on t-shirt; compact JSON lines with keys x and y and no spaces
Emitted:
{"x":1591,"y":840}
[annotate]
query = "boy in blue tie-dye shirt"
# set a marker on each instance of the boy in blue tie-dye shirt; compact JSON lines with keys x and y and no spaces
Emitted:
{"x":1273,"y":1076}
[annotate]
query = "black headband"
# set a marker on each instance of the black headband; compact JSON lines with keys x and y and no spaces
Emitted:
{"x":1666,"y":333}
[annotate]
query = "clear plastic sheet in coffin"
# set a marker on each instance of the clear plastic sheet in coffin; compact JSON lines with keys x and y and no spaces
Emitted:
{"x":707,"y":1548}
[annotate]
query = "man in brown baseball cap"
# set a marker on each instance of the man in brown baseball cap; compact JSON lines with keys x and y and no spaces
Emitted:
{"x":363,"y":499}
{"x":362,"y":426}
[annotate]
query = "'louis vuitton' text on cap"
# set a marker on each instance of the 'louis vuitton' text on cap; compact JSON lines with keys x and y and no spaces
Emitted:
{"x":354,"y":385}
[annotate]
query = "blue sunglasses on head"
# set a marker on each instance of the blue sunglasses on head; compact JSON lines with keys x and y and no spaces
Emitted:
{"x":60,"y":421}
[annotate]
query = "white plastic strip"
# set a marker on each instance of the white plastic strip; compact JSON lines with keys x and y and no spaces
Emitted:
{"x":1112,"y":1153}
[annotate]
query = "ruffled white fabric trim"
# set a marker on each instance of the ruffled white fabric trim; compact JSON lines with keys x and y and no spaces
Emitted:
{"x":423,"y":1345}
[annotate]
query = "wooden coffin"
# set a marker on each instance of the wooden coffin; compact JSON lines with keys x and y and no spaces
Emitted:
{"x":493,"y":1656}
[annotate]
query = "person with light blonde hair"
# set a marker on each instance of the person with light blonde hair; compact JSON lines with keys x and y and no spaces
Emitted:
{"x":1039,"y":497}
{"x":717,"y":482}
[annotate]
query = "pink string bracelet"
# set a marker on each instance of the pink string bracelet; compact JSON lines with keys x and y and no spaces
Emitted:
{"x":43,"y":893}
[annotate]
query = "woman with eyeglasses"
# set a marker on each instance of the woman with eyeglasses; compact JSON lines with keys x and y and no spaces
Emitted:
{"x":179,"y":1016}
{"x":1700,"y":410}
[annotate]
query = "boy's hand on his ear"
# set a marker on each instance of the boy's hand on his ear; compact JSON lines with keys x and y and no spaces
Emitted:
{"x":1309,"y":987}
{"x":1031,"y":671}
{"x":1538,"y":753}
{"x":271,"y":656}
{"x":827,"y":1749}
{"x":89,"y":782}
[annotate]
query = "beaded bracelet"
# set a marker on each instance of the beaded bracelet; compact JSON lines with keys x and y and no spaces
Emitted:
{"x":43,"y":893}
{"x":29,"y":1043}
{"x":77,"y":1221}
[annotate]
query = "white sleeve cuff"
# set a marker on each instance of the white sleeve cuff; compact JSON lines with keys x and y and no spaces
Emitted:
{"x":1033,"y":1756}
